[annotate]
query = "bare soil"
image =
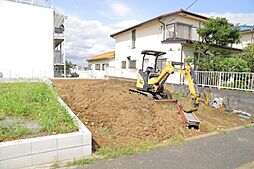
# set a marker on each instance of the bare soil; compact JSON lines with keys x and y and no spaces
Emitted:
{"x":113,"y":114}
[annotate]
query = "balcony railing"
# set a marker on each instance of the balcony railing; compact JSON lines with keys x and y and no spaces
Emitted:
{"x":58,"y":57}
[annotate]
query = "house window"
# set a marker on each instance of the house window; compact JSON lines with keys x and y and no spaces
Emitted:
{"x":133,"y":39}
{"x":178,"y":30}
{"x":161,"y":64}
{"x":104,"y":66}
{"x":183,"y":31}
{"x":170,"y":31}
{"x":132,"y":64}
{"x":90,"y":66}
{"x":97,"y":67}
{"x":123,"y":64}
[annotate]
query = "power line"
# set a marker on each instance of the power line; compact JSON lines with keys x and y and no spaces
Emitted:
{"x":185,"y":10}
{"x":191,"y":5}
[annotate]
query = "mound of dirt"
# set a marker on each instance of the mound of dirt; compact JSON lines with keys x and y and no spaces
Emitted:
{"x":113,"y":114}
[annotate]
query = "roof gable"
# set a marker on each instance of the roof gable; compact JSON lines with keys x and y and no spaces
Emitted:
{"x":181,"y":11}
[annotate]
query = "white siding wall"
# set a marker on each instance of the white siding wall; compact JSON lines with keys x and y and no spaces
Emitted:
{"x":100,"y":74}
{"x":245,"y":39}
{"x":26,"y":41}
{"x":148,"y":36}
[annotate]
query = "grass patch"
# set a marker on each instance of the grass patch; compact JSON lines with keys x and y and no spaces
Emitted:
{"x":54,"y":165}
{"x":142,"y":146}
{"x":170,"y":107}
{"x":84,"y":161}
{"x":248,"y":126}
{"x":224,"y":131}
{"x":178,"y":95}
{"x":125,"y":150}
{"x":33,"y":102}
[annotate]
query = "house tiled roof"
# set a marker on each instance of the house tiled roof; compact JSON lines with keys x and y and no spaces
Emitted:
{"x":107,"y":55}
{"x":181,"y":11}
{"x":246,"y":28}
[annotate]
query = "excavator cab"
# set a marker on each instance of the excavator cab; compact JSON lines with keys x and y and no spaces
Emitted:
{"x":146,"y":76}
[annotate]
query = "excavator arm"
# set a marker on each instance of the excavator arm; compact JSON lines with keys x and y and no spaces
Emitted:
{"x":170,"y":69}
{"x":187,"y":72}
{"x":161,"y":79}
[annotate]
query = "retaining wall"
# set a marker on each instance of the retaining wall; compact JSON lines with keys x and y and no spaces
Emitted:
{"x":44,"y":150}
{"x":238,"y":100}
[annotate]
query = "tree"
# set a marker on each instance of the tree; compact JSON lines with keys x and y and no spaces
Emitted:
{"x":217,"y":32}
{"x":68,"y":68}
{"x":248,"y":55}
{"x":221,"y":63}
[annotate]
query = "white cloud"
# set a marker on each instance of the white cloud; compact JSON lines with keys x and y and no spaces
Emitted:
{"x":119,"y":8}
{"x":86,"y":38}
{"x":126,"y":24}
{"x":242,"y":18}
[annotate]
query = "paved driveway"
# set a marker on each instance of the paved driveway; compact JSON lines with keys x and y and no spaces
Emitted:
{"x":222,"y":151}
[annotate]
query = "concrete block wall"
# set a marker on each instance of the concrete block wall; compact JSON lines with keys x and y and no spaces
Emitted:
{"x":44,"y":150}
{"x":238,"y":100}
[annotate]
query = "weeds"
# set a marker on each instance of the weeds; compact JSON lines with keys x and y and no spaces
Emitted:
{"x":104,"y":130}
{"x":125,"y":150}
{"x":84,"y":161}
{"x":224,"y":131}
{"x":178,"y":95}
{"x":54,"y":165}
{"x":170,"y":107}
{"x":247,"y":126}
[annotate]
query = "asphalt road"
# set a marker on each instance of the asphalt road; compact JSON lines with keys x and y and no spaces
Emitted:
{"x":221,"y":151}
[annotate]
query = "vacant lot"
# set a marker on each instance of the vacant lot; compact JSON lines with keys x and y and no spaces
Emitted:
{"x":114,"y":115}
{"x":29,"y":110}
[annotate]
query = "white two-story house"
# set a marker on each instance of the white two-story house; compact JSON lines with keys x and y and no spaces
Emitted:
{"x":172,"y":33}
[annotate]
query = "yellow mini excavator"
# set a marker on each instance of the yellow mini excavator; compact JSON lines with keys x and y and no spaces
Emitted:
{"x":150,"y":82}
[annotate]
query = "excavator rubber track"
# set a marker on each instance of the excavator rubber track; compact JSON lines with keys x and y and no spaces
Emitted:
{"x":149,"y":95}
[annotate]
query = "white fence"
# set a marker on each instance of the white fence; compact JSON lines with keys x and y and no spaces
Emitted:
{"x":229,"y":80}
{"x":17,"y":74}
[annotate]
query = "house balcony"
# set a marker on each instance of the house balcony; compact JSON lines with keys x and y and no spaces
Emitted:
{"x":179,"y":31}
{"x":58,"y":35}
{"x":58,"y":58}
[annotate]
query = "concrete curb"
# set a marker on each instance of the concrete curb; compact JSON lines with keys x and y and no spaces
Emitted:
{"x":48,"y":149}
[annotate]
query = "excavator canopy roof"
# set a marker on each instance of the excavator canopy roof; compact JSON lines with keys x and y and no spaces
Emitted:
{"x":153,"y":52}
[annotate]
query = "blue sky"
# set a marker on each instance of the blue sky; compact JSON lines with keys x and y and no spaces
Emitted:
{"x":141,"y":9}
{"x":90,"y":22}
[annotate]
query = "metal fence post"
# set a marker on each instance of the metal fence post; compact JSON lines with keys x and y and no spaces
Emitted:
{"x":219,"y":83}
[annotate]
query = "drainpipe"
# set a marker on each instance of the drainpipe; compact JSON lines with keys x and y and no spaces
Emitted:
{"x":182,"y":79}
{"x":164,"y":26}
